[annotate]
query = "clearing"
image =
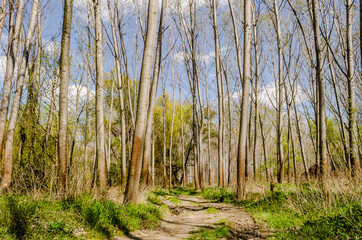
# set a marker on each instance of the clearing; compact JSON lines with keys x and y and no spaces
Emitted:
{"x":195,"y":217}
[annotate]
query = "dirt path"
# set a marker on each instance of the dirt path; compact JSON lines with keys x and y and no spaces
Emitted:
{"x":189,"y":213}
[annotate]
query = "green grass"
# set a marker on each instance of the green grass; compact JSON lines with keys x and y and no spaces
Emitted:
{"x":301,"y":213}
{"x":175,"y":200}
{"x":176,"y":191}
{"x":212,"y":210}
{"x":210,"y":233}
{"x":24,"y":217}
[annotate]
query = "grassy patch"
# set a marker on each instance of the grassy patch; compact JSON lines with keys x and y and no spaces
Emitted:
{"x":175,"y":200}
{"x":23,"y":217}
{"x":176,"y":191}
{"x":302,"y":212}
{"x":210,"y":233}
{"x":212,"y":210}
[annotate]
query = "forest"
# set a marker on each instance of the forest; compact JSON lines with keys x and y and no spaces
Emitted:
{"x":170,"y":119}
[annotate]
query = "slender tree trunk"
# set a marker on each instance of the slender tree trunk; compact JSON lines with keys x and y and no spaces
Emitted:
{"x":108,"y":162}
{"x":131,"y":192}
{"x":152,"y":99}
{"x":244,"y":102}
{"x":322,"y":150}
{"x":182,"y":132}
{"x":121,"y":88}
{"x":219,"y":94}
{"x":11,"y":58}
{"x":63,"y":98}
{"x":256,"y":114}
{"x":172,"y":123}
{"x":8,"y":152}
{"x":100,"y":153}
{"x":264,"y":149}
{"x":352,"y":111}
{"x":280,"y":157}
{"x":164,"y":132}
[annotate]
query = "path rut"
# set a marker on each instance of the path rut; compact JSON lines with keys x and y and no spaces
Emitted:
{"x":189,"y":213}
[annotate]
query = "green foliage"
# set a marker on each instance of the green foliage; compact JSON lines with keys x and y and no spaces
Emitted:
{"x":207,"y":233}
{"x":218,"y":195}
{"x":304,"y":213}
{"x":27,"y":218}
{"x":175,"y":200}
{"x":212,"y":210}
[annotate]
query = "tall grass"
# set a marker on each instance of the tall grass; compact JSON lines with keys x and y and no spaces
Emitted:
{"x":24,"y":217}
{"x":304,"y":210}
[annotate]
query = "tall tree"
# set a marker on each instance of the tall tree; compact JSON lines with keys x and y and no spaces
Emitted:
{"x":220,"y":151}
{"x":11,"y":58}
{"x":100,"y":154}
{"x":131,"y":192}
{"x":352,"y":113}
{"x":280,"y":96}
{"x":152,"y":98}
{"x":8,"y":161}
{"x":322,"y":146}
{"x":244,"y":102}
{"x":63,"y":97}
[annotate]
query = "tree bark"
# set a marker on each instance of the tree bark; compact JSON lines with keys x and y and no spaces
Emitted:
{"x":352,"y":111}
{"x":8,"y":152}
{"x":63,"y":98}
{"x":131,"y":192}
{"x":322,"y":148}
{"x":244,"y":102}
{"x":11,"y":58}
{"x":153,"y":93}
{"x":219,"y":97}
{"x":100,"y":153}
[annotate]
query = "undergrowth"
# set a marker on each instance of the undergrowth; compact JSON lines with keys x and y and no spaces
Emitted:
{"x":303,"y":212}
{"x":80,"y":217}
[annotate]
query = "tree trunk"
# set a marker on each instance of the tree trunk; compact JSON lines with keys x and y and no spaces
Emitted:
{"x":131,"y":192}
{"x":322,"y":148}
{"x":219,"y":94}
{"x":8,"y":161}
{"x":153,"y":93}
{"x":100,"y":154}
{"x":280,"y":158}
{"x":352,"y":111}
{"x":244,"y":102}
{"x":120,"y":88}
{"x":63,"y":98}
{"x":11,"y":58}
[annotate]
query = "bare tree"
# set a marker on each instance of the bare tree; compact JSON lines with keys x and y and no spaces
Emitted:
{"x":63,"y":98}
{"x":100,"y":154}
{"x":352,"y":115}
{"x":131,"y":192}
{"x":5,"y":183}
{"x":322,"y":150}
{"x":152,"y":98}
{"x":11,"y":58}
{"x":244,"y":101}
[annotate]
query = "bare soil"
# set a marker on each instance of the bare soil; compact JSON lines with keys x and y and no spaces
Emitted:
{"x":189,"y":213}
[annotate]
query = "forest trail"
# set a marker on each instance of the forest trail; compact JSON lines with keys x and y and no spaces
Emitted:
{"x":187,"y":214}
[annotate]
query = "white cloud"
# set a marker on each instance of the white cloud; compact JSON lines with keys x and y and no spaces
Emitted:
{"x":267,"y":95}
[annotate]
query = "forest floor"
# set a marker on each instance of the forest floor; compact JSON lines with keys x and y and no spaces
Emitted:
{"x":193,"y":217}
